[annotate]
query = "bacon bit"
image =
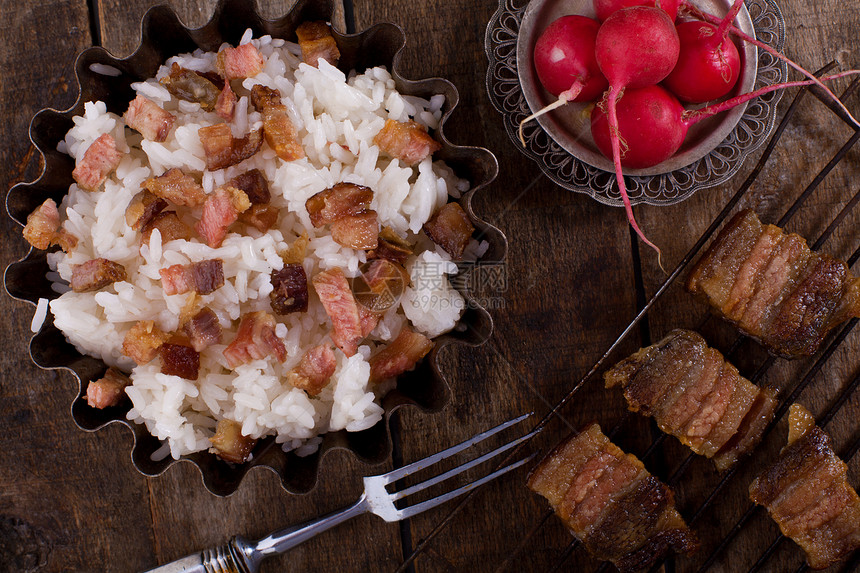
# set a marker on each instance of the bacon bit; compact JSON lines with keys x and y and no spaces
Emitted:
{"x":314,"y":370}
{"x":169,"y":225}
{"x":221,"y":210}
{"x":107,"y":391}
{"x":176,"y":187}
{"x":223,"y":150}
{"x":203,"y":277}
{"x":179,"y":360}
{"x":339,"y":303}
{"x":336,"y":202}
{"x":142,"y":342}
{"x":192,"y":86}
{"x":368,"y":320}
{"x":261,"y":217}
{"x":150,"y":120}
{"x":254,"y":184}
{"x":96,"y":274}
{"x":226,"y":104}
{"x":256,"y":339}
{"x":240,"y":62}
{"x":384,"y":276}
{"x":203,"y":330}
{"x":391,"y":247}
{"x":42,"y":225}
{"x":316,"y":42}
{"x":356,"y":231}
{"x":229,"y":444}
{"x":278,"y":129}
{"x":290,"y":292}
{"x":142,"y":208}
{"x":451,"y":229}
{"x":295,"y":255}
{"x":407,"y":141}
{"x":65,"y":239}
{"x":401,"y":355}
{"x":99,"y":160}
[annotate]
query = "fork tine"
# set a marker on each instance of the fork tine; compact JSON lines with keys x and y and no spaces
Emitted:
{"x":430,"y":503}
{"x":429,"y":461}
{"x":461,"y":468}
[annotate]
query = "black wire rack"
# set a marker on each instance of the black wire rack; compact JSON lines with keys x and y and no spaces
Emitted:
{"x":787,"y":395}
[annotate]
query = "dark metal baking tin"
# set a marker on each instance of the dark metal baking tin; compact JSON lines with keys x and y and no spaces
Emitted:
{"x":163,"y":36}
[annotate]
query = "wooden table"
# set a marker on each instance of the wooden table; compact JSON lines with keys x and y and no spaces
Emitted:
{"x":70,"y":500}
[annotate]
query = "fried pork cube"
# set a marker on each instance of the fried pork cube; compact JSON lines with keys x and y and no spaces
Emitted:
{"x":203,"y":330}
{"x":142,"y":342}
{"x":225,"y":106}
{"x":290,"y":289}
{"x":221,"y":210}
{"x":390,"y":246}
{"x":179,"y":360}
{"x":773,"y":287}
{"x":254,"y":184}
{"x":176,"y":187}
{"x":261,"y":217}
{"x":696,"y":396}
{"x":240,"y":62}
{"x":278,"y":128}
{"x":99,"y":161}
{"x":192,"y":86}
{"x":806,"y":491}
{"x":340,"y":305}
{"x":406,"y":140}
{"x":356,"y":231}
{"x":255,"y":340}
{"x":96,"y":274}
{"x":316,"y":42}
{"x":202,"y":277}
{"x":223,"y":150}
{"x":168,"y":225}
{"x":451,"y":229}
{"x":402,"y":354}
{"x":610,"y":502}
{"x":42,"y":225}
{"x":146,"y":117}
{"x":142,"y":208}
{"x":342,"y":200}
{"x":107,"y":391}
{"x":229,"y":444}
{"x":314,"y":370}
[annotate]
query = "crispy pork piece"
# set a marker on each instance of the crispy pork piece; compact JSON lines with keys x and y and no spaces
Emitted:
{"x":290,"y":292}
{"x":255,"y":340}
{"x":262,"y":217}
{"x":223,"y":150}
{"x":254,"y":184}
{"x":806,"y":492}
{"x":391,"y":246}
{"x":179,"y":360}
{"x":168,"y":224}
{"x":192,"y":86}
{"x":770,"y":285}
{"x":610,"y":502}
{"x":314,"y":370}
{"x":238,"y":63}
{"x":107,"y":391}
{"x":278,"y":128}
{"x":316,"y":42}
{"x":146,"y":117}
{"x":356,"y":231}
{"x":225,"y":106}
{"x":342,"y":200}
{"x":340,"y":305}
{"x":42,"y":225}
{"x":142,"y":208}
{"x":203,"y":330}
{"x":142,"y":342}
{"x":696,"y":396}
{"x":99,"y":160}
{"x":451,"y":229}
{"x":402,"y":354}
{"x":221,"y":210}
{"x":96,"y":274}
{"x":176,"y":187}
{"x":229,"y":444}
{"x":406,"y":140}
{"x":202,"y":277}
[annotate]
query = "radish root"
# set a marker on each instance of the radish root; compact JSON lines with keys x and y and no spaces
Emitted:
{"x":563,"y":98}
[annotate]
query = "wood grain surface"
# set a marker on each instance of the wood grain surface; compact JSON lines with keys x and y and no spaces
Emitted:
{"x":72,"y":501}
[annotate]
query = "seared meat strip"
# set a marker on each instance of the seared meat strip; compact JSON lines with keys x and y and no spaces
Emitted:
{"x":290,"y":292}
{"x":278,"y":128}
{"x":316,"y":42}
{"x":406,"y":140}
{"x":806,"y":492}
{"x":147,"y":118}
{"x":142,"y":342}
{"x":221,"y":210}
{"x":314,"y":370}
{"x":400,"y":355}
{"x":695,"y":396}
{"x":229,"y":444}
{"x":99,"y":160}
{"x":176,"y":187}
{"x":610,"y":502}
{"x":96,"y":274}
{"x":342,"y":200}
{"x":108,"y":390}
{"x":451,"y":229}
{"x":168,"y":224}
{"x":773,"y":287}
{"x":255,"y":340}
{"x":240,"y":62}
{"x":191,"y":86}
{"x":142,"y":208}
{"x":203,"y":330}
{"x":339,"y":303}
{"x":202,"y":277}
{"x":223,"y":150}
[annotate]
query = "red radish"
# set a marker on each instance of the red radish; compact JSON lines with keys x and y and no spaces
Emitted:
{"x":708,"y":64}
{"x":636,"y":47}
{"x":565,"y":63}
{"x":605,"y":8}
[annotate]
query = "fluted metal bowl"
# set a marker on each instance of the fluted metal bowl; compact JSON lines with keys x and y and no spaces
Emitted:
{"x":163,"y":36}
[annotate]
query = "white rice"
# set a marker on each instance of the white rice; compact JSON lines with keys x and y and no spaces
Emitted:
{"x":336,"y":118}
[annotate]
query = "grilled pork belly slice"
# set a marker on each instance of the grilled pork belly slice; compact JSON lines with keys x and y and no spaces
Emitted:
{"x":773,"y":287}
{"x":806,"y":492}
{"x":610,"y":502}
{"x":696,"y":396}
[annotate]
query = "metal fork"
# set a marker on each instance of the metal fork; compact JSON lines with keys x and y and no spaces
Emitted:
{"x":243,"y":556}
